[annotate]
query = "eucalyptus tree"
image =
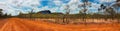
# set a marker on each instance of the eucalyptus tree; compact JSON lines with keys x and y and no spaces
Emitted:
{"x":110,"y":9}
{"x":117,"y":5}
{"x":85,"y":4}
{"x":65,"y":16}
{"x":31,"y":12}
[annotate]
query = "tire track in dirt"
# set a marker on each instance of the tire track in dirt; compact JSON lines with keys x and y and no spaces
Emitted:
{"x":18,"y":24}
{"x":2,"y":22}
{"x":40,"y":26}
{"x":13,"y":25}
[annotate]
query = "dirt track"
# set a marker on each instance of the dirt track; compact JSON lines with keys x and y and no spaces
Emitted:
{"x":17,"y":24}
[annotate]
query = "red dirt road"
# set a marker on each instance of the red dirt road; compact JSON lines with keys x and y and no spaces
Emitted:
{"x":17,"y":24}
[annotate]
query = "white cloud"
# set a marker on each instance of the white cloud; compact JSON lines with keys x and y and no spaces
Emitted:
{"x":8,"y":5}
{"x":94,"y":6}
{"x":51,"y":9}
{"x":15,"y":6}
{"x":74,"y":2}
{"x":58,"y":2}
{"x":73,"y":5}
{"x":101,"y":1}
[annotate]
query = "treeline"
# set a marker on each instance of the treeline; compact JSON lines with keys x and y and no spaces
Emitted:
{"x":76,"y":16}
{"x":37,"y":15}
{"x":4,"y":15}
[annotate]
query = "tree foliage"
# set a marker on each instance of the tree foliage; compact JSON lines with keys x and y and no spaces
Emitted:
{"x":0,"y":12}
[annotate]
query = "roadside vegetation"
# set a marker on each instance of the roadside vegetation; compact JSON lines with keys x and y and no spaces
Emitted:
{"x":104,"y":12}
{"x":4,"y":15}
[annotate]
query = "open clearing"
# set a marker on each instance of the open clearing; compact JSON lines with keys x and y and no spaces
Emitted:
{"x":18,"y":24}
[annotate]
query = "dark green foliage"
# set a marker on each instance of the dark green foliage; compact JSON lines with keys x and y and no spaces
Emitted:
{"x":4,"y":15}
{"x":73,"y":16}
{"x":0,"y":12}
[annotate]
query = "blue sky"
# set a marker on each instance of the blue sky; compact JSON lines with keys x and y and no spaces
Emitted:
{"x":15,"y":6}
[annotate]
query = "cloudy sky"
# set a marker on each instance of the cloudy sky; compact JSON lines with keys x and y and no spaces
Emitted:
{"x":15,"y":6}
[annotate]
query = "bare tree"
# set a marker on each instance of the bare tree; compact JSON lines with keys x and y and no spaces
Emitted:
{"x":117,"y":5}
{"x":110,"y":10}
{"x":31,"y":13}
{"x":65,"y":16}
{"x":84,"y":5}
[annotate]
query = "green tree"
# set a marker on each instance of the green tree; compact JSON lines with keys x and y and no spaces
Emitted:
{"x":0,"y":12}
{"x":5,"y":15}
{"x":20,"y":14}
{"x":9,"y":15}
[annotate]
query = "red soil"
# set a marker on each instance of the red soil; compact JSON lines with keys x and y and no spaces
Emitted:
{"x":17,"y":24}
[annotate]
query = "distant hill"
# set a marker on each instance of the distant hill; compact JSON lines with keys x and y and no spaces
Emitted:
{"x":44,"y":12}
